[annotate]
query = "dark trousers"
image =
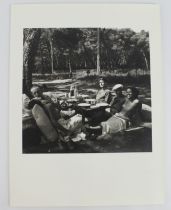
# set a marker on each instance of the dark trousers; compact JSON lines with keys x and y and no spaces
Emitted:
{"x":98,"y":117}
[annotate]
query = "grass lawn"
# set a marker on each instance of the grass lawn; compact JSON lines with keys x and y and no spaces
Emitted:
{"x":132,"y":141}
{"x":89,"y":85}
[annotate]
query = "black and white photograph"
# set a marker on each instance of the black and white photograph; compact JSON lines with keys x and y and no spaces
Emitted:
{"x":86,"y":90}
{"x":86,"y":105}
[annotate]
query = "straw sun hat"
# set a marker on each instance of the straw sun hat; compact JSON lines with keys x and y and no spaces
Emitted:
{"x":116,"y":87}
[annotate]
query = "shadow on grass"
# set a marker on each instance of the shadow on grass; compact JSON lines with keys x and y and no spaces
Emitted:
{"x":135,"y":141}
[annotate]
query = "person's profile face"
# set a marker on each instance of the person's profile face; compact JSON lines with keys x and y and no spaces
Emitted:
{"x":118,"y":91}
{"x":129,"y":93}
{"x":101,"y":83}
{"x":36,"y":92}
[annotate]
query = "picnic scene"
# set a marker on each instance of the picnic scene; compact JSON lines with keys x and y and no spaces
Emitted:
{"x":86,"y":90}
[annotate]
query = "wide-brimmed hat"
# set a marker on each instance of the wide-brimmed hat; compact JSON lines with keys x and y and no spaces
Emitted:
{"x":118,"y":86}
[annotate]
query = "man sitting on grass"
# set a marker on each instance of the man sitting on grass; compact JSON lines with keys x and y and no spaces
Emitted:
{"x":117,"y":100}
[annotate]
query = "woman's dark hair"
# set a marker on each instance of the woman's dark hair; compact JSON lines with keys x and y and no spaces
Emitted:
{"x":101,"y":79}
{"x":135,"y":91}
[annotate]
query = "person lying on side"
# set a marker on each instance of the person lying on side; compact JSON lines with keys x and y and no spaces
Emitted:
{"x":129,"y":115}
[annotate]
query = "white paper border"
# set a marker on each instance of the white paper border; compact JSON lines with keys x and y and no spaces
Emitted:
{"x":85,"y":179}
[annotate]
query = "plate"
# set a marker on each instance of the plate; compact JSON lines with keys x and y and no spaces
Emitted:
{"x":102,"y":104}
{"x":72,"y":100}
{"x":84,"y":105}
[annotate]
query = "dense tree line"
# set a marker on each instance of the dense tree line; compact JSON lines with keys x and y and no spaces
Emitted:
{"x":68,"y":49}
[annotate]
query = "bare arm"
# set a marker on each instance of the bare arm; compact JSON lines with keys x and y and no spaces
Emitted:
{"x":133,"y":105}
{"x":128,"y":107}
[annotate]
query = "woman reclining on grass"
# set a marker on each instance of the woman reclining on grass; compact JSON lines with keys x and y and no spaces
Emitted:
{"x":130,"y":114}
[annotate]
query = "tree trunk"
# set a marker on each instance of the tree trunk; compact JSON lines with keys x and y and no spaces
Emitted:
{"x":146,"y":62}
{"x":69,"y":64}
{"x":98,"y":51}
{"x":29,"y":49}
{"x":51,"y":55}
{"x":136,"y":73}
{"x":85,"y":64}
